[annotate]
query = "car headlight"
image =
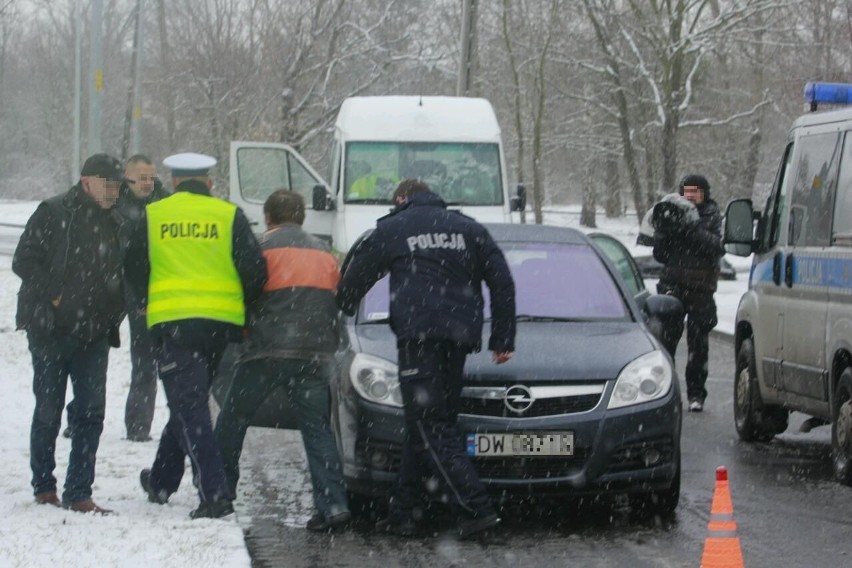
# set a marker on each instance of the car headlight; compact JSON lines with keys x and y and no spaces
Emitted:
{"x":646,"y":378}
{"x":376,"y":379}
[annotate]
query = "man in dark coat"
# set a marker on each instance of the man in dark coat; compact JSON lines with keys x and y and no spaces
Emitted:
{"x":690,"y":252}
{"x":437,"y":261}
{"x":141,"y":187}
{"x":71,"y":304}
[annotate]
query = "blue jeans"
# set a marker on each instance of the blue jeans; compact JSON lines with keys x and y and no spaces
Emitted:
{"x":306,"y":385}
{"x":55,"y":358}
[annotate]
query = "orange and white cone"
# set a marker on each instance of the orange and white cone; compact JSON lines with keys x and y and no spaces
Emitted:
{"x":722,"y":545}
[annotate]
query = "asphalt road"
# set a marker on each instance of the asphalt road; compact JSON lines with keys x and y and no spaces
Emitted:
{"x":789,"y":510}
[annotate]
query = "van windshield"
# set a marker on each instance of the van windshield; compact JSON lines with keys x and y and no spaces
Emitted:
{"x":461,"y":173}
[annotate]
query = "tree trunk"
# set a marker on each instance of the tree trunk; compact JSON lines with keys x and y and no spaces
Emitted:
{"x":168,"y":94}
{"x":612,"y":189}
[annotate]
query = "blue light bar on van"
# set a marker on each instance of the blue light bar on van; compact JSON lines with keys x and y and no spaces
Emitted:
{"x":828,"y":93}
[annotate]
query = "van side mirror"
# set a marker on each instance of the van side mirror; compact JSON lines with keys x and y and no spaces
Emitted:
{"x":519,"y":202}
{"x":321,"y":200}
{"x":739,"y":227}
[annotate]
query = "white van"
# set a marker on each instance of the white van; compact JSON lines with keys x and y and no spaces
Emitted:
{"x":451,"y":143}
{"x":793,"y":333}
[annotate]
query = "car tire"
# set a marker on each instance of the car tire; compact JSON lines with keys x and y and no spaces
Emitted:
{"x":659,"y":503}
{"x":754,"y":421}
{"x":841,"y":429}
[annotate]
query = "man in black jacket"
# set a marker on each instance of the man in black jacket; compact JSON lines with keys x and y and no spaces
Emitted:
{"x":437,"y":261}
{"x":71,"y":304}
{"x":690,"y":253}
{"x":140,"y":188}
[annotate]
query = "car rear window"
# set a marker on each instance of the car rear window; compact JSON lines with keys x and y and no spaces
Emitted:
{"x":551,"y":280}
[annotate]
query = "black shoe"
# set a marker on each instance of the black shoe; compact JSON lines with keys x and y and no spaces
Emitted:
{"x":334,"y":523}
{"x":696,"y":405}
{"x":213,"y":510}
{"x":67,"y":432}
{"x":159,"y":497}
{"x":470,"y":527}
{"x":397,"y":526}
{"x":139,"y":437}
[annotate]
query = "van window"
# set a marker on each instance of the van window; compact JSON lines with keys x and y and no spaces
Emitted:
{"x":843,"y":207}
{"x":774,"y":210}
{"x":463,"y":174}
{"x":813,"y":191}
{"x":264,"y":170}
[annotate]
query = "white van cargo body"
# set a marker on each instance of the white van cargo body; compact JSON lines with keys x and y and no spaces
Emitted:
{"x":451,"y":143}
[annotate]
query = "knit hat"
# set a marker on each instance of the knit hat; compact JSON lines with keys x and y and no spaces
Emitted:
{"x":696,"y":180}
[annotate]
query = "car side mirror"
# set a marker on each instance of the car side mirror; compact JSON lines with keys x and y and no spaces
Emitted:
{"x":321,"y":200}
{"x":519,"y":202}
{"x":664,"y":317}
{"x":739,"y":227}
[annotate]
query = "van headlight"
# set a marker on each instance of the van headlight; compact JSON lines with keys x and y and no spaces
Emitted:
{"x":376,"y":379}
{"x":646,"y":378}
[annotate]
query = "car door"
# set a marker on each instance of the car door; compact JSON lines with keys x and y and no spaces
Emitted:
{"x":624,"y":263}
{"x":260,"y":168}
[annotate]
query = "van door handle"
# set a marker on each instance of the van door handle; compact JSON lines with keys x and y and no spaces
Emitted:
{"x":788,"y":271}
{"x":776,"y":268}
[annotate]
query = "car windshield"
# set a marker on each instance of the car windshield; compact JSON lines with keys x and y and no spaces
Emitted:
{"x":552,"y":281}
{"x":461,"y":173}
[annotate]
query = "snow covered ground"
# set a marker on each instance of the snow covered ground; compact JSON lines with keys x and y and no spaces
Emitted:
{"x":141,"y":534}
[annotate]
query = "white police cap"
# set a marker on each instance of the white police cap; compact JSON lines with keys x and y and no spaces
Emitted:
{"x":189,"y":164}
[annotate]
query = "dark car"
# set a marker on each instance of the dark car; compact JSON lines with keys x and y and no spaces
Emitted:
{"x":590,"y":402}
{"x":650,"y":268}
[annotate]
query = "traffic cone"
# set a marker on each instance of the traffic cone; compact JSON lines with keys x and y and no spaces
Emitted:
{"x":722,"y":545}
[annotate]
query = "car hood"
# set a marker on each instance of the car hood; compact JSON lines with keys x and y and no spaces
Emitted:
{"x":544,"y":351}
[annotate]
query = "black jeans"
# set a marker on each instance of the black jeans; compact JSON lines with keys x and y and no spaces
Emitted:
{"x":55,"y":359}
{"x":142,"y":396}
{"x":431,"y":375}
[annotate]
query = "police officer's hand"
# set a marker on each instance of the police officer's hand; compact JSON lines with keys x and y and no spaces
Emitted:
{"x":501,"y":357}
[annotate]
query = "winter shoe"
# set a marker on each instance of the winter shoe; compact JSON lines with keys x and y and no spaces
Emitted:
{"x":159,"y":497}
{"x":397,"y":526}
{"x":334,"y":523}
{"x":48,"y":498}
{"x":87,"y":506}
{"x":696,"y":406}
{"x":138,"y":437}
{"x":213,"y":510}
{"x":470,"y":527}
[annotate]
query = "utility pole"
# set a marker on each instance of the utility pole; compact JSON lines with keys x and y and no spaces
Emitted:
{"x":468,"y":48}
{"x":132,"y":125}
{"x":78,"y":76}
{"x":96,"y":77}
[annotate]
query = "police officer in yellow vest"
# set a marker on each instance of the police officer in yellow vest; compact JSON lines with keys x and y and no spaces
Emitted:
{"x":196,"y":263}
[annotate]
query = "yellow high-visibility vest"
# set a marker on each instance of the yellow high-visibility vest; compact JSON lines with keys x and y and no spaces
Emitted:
{"x":192,"y":270}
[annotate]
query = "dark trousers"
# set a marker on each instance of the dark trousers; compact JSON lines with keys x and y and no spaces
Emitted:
{"x":701,"y":318}
{"x":306,"y":385}
{"x":186,"y":369}
{"x":142,"y":396}
{"x":431,"y":375}
{"x":55,"y":359}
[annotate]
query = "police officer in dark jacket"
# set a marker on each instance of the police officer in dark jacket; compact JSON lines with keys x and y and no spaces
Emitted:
{"x":690,"y":254}
{"x":195,"y":262}
{"x":141,"y":187}
{"x":437,"y":261}
{"x":71,"y":304}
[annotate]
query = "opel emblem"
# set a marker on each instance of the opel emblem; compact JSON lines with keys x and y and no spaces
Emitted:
{"x":518,"y":399}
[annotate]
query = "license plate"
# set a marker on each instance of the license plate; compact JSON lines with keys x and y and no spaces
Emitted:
{"x":521,"y":444}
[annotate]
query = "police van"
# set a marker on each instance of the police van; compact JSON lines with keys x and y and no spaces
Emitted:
{"x":793,"y":334}
{"x":452,"y":143}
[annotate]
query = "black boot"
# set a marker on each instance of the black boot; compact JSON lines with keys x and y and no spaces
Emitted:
{"x":159,"y":497}
{"x":213,"y":510}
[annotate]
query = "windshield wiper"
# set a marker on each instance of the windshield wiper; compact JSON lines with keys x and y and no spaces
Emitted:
{"x":527,"y":317}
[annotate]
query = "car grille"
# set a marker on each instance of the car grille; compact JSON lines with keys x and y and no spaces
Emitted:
{"x":548,"y":400}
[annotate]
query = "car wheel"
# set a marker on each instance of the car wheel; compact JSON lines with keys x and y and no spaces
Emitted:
{"x":753,"y":420}
{"x":660,"y":503}
{"x":841,"y":429}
